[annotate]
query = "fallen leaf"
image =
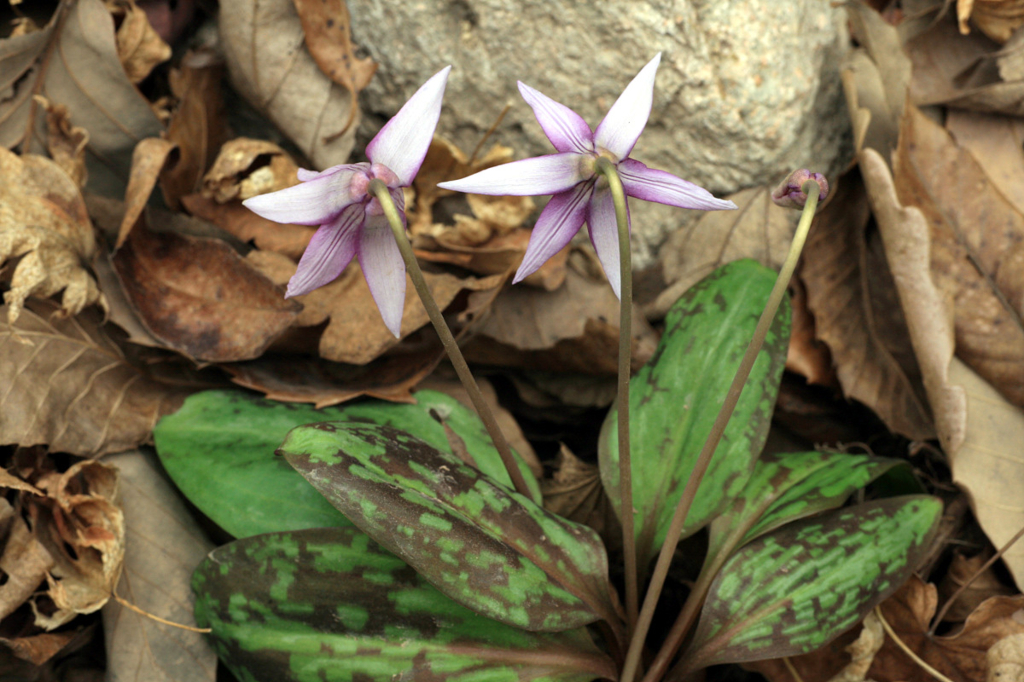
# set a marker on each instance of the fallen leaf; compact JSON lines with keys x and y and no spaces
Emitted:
{"x":38,"y":649}
{"x":246,"y":168}
{"x":1006,"y":659}
{"x":198,"y":126}
{"x":355,"y":332}
{"x":574,"y":491}
{"x":73,"y":61}
{"x":138,"y":45}
{"x":290,"y":240}
{"x":758,"y":229}
{"x":201,"y":298}
{"x":67,"y":385}
{"x":807,"y":355}
{"x":148,"y":161}
{"x":981,"y":587}
{"x":44,"y":221}
{"x":857,"y":313}
{"x":977,"y":249}
{"x":163,"y":546}
{"x":271,"y":67}
{"x":995,"y":142}
{"x":65,"y":142}
{"x":25,"y":562}
{"x":979,"y":430}
{"x":327,"y":27}
{"x":997,"y":19}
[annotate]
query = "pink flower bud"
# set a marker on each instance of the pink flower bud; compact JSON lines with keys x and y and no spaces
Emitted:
{"x":790,"y":193}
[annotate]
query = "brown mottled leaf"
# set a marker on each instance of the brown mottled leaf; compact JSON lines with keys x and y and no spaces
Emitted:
{"x":200,"y":298}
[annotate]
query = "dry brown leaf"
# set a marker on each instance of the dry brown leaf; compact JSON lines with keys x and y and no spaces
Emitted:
{"x":355,"y":333}
{"x":233,"y":217}
{"x":857,"y":312}
{"x":327,"y":26}
{"x":138,"y":45}
{"x":198,"y":126}
{"x":38,"y":649}
{"x":807,"y":355}
{"x":996,"y":143}
{"x":246,"y":168}
{"x":272,"y":68}
{"x":148,"y":160}
{"x":977,"y":249}
{"x":758,"y":229}
{"x":1006,"y":660}
{"x":65,"y":142}
{"x":163,"y":546}
{"x":44,"y":221}
{"x":817,"y":666}
{"x":979,"y":430}
{"x":981,"y":587}
{"x":67,"y":385}
{"x":574,"y":491}
{"x":73,"y":61}
{"x":997,"y":19}
{"x":25,"y":563}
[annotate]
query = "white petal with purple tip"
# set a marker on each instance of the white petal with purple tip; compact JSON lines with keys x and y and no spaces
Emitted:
{"x":624,"y":122}
{"x":565,"y":128}
{"x":659,"y":186}
{"x":402,"y":143}
{"x":540,"y":175}
{"x":329,"y":251}
{"x":313,"y":202}
{"x":558,"y":223}
{"x":384,"y":270}
{"x":604,"y":235}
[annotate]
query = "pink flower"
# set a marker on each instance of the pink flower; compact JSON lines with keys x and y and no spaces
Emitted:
{"x":352,"y":222}
{"x":579,"y":193}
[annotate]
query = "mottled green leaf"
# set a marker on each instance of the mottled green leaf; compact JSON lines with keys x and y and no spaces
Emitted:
{"x":219,"y":450}
{"x":330,"y":605}
{"x":675,"y":398}
{"x":483,"y":545}
{"x":794,"y":590}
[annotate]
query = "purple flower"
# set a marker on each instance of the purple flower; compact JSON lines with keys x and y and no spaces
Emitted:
{"x":790,"y":193}
{"x":352,"y":222}
{"x":580,"y":194}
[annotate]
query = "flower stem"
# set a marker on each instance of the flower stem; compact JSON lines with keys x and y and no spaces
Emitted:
{"x":380,"y":190}
{"x":811,"y":189}
{"x":607,"y":169}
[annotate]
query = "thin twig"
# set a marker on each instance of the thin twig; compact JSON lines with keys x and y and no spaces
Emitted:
{"x":132,"y":607}
{"x":907,"y":650}
{"x":490,"y":131}
{"x":792,"y":669}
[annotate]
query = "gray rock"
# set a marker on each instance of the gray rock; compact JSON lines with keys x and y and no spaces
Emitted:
{"x":747,"y":89}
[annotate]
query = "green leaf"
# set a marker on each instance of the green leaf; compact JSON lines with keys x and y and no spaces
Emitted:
{"x":483,"y":545}
{"x":331,"y":605}
{"x":219,"y":450}
{"x":794,"y":590}
{"x":675,"y":398}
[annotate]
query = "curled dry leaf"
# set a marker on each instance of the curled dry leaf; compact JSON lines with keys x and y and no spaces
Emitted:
{"x":758,"y":229}
{"x":857,"y":313}
{"x":997,"y":19}
{"x":574,"y":491}
{"x":139,"y":47}
{"x":65,"y":142}
{"x":807,"y":355}
{"x":272,"y":68}
{"x":980,"y":431}
{"x":233,"y":217}
{"x":246,"y":168}
{"x":981,"y":587}
{"x":43,"y":220}
{"x":499,"y":254}
{"x":73,"y":61}
{"x":148,"y":160}
{"x":199,"y":297}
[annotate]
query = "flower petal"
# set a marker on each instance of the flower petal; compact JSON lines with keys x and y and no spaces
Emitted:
{"x":558,"y":223}
{"x":624,"y":122}
{"x":402,"y":143}
{"x":664,"y":188}
{"x":307,"y":175}
{"x":604,"y":235}
{"x":329,"y":251}
{"x":565,"y":128}
{"x":314,"y":202}
{"x":384,"y":270}
{"x":549,"y":174}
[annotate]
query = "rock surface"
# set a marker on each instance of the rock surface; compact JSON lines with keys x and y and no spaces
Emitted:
{"x":747,"y":89}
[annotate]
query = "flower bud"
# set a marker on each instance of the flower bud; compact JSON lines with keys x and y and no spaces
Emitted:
{"x":790,"y":193}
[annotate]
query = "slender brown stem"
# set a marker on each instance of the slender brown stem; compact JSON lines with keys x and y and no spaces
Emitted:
{"x":380,"y":190}
{"x":812,"y":190}
{"x":606,"y":168}
{"x":907,"y":650}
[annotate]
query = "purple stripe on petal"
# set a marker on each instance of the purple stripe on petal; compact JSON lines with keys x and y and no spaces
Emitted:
{"x":315,"y":202}
{"x":329,"y":251}
{"x":402,"y":143}
{"x":565,"y":128}
{"x":624,"y":122}
{"x":664,"y":188}
{"x":384,"y":270}
{"x":604,"y":235}
{"x":558,"y":223}
{"x":549,"y":174}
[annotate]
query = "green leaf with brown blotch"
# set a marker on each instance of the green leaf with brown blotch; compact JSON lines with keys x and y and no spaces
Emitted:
{"x":675,"y":398}
{"x":794,"y":590}
{"x":330,"y":604}
{"x":486,"y":547}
